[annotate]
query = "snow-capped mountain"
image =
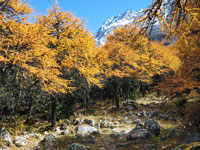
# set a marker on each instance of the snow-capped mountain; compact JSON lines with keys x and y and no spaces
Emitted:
{"x":114,"y":22}
{"x":128,"y":17}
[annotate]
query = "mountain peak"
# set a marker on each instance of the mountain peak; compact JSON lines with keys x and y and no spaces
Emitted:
{"x":109,"y":25}
{"x":130,"y":16}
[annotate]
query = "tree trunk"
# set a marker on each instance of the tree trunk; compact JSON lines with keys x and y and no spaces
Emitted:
{"x":53,"y":112}
{"x":158,"y":92}
{"x":30,"y":107}
{"x":117,"y":101}
{"x":143,"y":92}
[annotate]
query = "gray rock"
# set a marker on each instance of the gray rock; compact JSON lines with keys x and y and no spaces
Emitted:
{"x":124,"y":144}
{"x":138,"y":126}
{"x":153,"y":114}
{"x":118,"y":135}
{"x":3,"y":148}
{"x":130,"y":113}
{"x":134,"y":116}
{"x":168,"y":133}
{"x":138,"y":134}
{"x":85,"y":130}
{"x":89,"y":141}
{"x":192,"y":138}
{"x":20,"y":141}
{"x":126,"y":120}
{"x":49,"y":141}
{"x":130,"y":105}
{"x":153,"y":126}
{"x":163,"y":116}
{"x":140,"y":114}
{"x":34,"y":135}
{"x":58,"y":131}
{"x":77,"y":122}
{"x":26,"y":135}
{"x":36,"y":147}
{"x":149,"y":147}
{"x":89,"y":122}
{"x":66,"y":131}
{"x":138,"y":122}
{"x":145,"y":113}
{"x":77,"y":146}
{"x":5,"y":137}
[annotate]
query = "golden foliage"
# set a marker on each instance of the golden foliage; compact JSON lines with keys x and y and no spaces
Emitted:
{"x":133,"y":55}
{"x":184,"y":24}
{"x":22,"y":45}
{"x":74,"y":46}
{"x":182,"y":11}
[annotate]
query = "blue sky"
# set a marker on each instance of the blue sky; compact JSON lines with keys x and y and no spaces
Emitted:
{"x":94,"y":11}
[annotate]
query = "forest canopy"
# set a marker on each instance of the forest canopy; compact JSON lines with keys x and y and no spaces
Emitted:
{"x":55,"y":60}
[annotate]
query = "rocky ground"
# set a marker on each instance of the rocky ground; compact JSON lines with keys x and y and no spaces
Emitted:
{"x":149,"y":123}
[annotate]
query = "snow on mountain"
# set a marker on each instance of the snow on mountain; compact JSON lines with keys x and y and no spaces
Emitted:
{"x":116,"y":21}
{"x":128,"y":17}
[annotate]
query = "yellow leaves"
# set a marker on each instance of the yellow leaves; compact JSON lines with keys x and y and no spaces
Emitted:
{"x":74,"y":47}
{"x":131,"y":55}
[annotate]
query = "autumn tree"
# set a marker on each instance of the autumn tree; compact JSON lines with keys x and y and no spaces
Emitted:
{"x":183,"y":24}
{"x":27,"y":64}
{"x":133,"y":56}
{"x":75,"y":49}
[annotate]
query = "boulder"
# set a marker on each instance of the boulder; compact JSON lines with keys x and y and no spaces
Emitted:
{"x":5,"y":137}
{"x":85,"y":130}
{"x":20,"y":141}
{"x":49,"y":141}
{"x":153,"y":114}
{"x":77,"y":146}
{"x":138,"y":134}
{"x":153,"y":126}
{"x":191,"y":139}
{"x":168,"y":133}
